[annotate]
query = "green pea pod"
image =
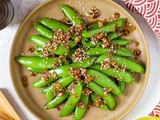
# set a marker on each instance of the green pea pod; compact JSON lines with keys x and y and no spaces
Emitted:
{"x":36,"y":62}
{"x":129,"y":64}
{"x":44,"y":90}
{"x":38,"y":40}
{"x":94,"y":26}
{"x":37,"y":53}
{"x":121,"y":85}
{"x":94,"y":99}
{"x":79,"y":112}
{"x":42,"y":30}
{"x":53,"y":24}
{"x":120,"y":75}
{"x":120,"y":42}
{"x":104,"y":81}
{"x":35,"y":70}
{"x":109,"y":99}
{"x":72,"y":15}
{"x":56,"y":101}
{"x":99,"y":51}
{"x":63,"y":83}
{"x":63,"y":70}
{"x":90,"y":45}
{"x":41,"y":82}
{"x":72,"y":101}
{"x":114,"y":35}
{"x":110,"y":27}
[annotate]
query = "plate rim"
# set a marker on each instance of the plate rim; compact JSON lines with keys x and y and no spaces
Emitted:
{"x":43,"y":4}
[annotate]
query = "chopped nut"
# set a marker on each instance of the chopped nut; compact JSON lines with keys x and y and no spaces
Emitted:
{"x":56,"y":85}
{"x":77,"y":73}
{"x":81,"y":105}
{"x":71,"y":88}
{"x":79,"y":55}
{"x":86,"y":91}
{"x":94,"y":12}
{"x":89,"y":78}
{"x":105,"y":43}
{"x":59,"y":92}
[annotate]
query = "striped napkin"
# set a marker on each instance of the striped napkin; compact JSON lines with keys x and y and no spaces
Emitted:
{"x":150,"y":9}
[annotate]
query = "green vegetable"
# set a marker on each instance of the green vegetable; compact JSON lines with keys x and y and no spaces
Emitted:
{"x":72,"y":101}
{"x":94,"y":99}
{"x":35,"y":70}
{"x":121,"y":61}
{"x":121,"y":85}
{"x":41,"y":82}
{"x":72,"y":15}
{"x":63,"y":70}
{"x":56,"y":101}
{"x":109,"y":99}
{"x":99,"y":51}
{"x":36,"y":62}
{"x":121,"y":42}
{"x":38,"y":40}
{"x":104,"y":81}
{"x":45,"y":32}
{"x":63,"y":82}
{"x":53,"y":24}
{"x":110,"y":27}
{"x":120,"y":75}
{"x":79,"y":112}
{"x":44,"y":90}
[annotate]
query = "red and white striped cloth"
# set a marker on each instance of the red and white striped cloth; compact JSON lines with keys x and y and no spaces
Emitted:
{"x":150,"y":9}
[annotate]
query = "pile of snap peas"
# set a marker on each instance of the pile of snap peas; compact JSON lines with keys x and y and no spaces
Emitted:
{"x":105,"y":82}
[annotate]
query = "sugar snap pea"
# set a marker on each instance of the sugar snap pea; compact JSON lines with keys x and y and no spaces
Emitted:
{"x":104,"y":81}
{"x":121,"y":85}
{"x":45,"y":32}
{"x":38,"y":40}
{"x":79,"y":112}
{"x":72,"y":101}
{"x":109,"y":99}
{"x":36,"y":62}
{"x":44,"y":90}
{"x":120,"y":75}
{"x":63,"y":70}
{"x":56,"y":101}
{"x":41,"y":82}
{"x":121,"y":42}
{"x":53,"y":24}
{"x":129,"y":64}
{"x":72,"y":15}
{"x":36,"y":70}
{"x":63,"y":82}
{"x":99,"y":51}
{"x":94,"y":99}
{"x":110,"y":27}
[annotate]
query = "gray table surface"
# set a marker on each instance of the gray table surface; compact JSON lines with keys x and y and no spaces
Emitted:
{"x":22,"y":7}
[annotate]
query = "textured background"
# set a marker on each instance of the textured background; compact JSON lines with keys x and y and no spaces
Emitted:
{"x":22,"y":7}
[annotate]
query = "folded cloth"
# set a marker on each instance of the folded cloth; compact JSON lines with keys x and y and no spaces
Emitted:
{"x":156,"y":111}
{"x":150,"y":9}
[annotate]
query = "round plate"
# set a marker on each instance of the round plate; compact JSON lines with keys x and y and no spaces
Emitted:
{"x":34,"y":100}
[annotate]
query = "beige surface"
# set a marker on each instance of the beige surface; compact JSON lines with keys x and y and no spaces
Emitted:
{"x":32,"y":97}
{"x":6,"y":110}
